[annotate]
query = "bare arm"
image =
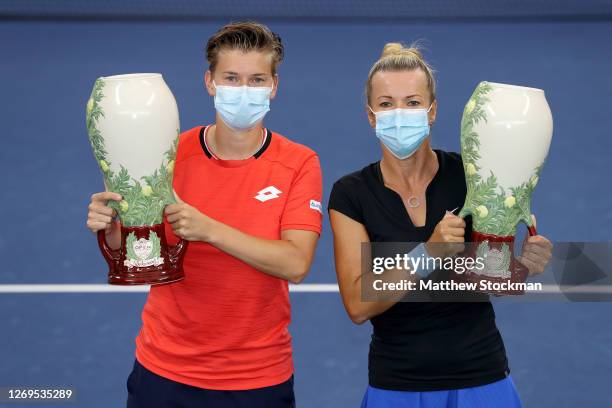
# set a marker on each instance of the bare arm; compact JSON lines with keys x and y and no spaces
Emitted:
{"x":348,"y":236}
{"x":288,"y":258}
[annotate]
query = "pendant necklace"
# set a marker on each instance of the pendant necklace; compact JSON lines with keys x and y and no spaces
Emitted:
{"x":413,"y":202}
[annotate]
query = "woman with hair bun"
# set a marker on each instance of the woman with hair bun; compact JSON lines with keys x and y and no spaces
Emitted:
{"x":422,"y":354}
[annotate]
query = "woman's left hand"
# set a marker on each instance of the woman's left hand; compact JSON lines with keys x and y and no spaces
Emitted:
{"x":536,"y":253}
{"x":187,"y":222}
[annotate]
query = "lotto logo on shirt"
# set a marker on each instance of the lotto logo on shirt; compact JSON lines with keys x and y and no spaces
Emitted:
{"x":315,"y":205}
{"x":267,"y":193}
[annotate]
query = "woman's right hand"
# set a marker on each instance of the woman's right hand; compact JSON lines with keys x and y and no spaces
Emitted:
{"x":448,"y":236}
{"x":100,"y":216}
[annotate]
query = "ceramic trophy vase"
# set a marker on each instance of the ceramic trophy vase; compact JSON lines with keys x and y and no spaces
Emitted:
{"x":506,"y":132}
{"x":133,"y":126}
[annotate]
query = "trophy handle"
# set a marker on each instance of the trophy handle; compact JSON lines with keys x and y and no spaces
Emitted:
{"x":532,"y":231}
{"x":177,"y":251}
{"x":531,"y":228}
{"x":111,"y":255}
{"x":463,"y":212}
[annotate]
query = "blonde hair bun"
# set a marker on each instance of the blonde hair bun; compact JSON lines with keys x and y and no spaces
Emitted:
{"x":394,"y":48}
{"x":396,"y":57}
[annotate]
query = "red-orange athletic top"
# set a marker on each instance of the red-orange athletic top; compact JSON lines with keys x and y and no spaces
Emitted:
{"x":224,"y":326}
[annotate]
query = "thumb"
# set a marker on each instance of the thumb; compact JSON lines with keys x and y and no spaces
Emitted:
{"x":178,"y":199}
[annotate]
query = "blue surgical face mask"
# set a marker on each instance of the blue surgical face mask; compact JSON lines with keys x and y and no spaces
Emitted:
{"x":242,"y":107}
{"x":402,"y":131}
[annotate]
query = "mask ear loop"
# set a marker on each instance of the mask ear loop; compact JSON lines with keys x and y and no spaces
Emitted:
{"x":430,"y":106}
{"x":215,"y":86}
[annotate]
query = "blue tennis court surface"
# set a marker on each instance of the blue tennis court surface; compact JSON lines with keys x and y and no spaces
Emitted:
{"x":560,"y":353}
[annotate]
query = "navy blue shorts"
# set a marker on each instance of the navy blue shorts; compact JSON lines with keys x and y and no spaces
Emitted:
{"x":149,"y":390}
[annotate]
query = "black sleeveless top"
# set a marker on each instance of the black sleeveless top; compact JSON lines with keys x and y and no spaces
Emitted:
{"x":424,"y":346}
